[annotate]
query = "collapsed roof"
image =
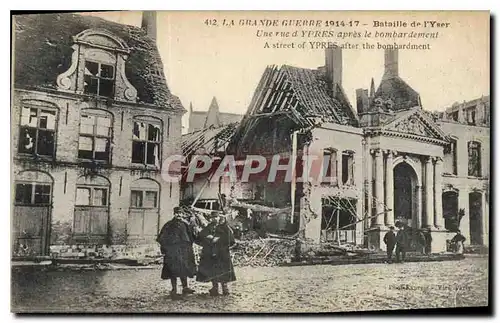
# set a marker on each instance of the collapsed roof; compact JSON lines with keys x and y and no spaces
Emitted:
{"x":295,"y":98}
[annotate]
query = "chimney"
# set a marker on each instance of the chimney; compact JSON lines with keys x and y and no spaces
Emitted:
{"x":149,"y":23}
{"x":362,"y":100}
{"x":333,"y":65}
{"x":391,"y":63}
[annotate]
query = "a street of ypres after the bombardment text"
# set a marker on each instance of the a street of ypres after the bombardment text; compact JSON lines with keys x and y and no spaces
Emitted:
{"x":194,"y":162}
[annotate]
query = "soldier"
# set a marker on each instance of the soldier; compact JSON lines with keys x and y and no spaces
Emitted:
{"x":176,"y":242}
{"x":216,"y":265}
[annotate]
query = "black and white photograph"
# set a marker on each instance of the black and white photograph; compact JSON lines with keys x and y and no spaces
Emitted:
{"x":250,"y":161}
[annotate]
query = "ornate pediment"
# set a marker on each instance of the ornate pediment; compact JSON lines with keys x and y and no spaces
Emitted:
{"x":415,"y":124}
{"x":412,"y":125}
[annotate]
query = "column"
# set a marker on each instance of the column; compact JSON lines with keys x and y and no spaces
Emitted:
{"x":438,"y":196}
{"x":389,"y":189}
{"x":429,"y":194}
{"x":419,"y":205}
{"x":379,"y":188}
{"x":369,"y":187}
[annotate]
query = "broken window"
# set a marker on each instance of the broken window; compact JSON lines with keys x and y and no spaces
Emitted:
{"x":91,"y":196}
{"x":95,"y":136}
{"x":99,"y":79}
{"x":32,"y":194}
{"x":450,"y":158}
{"x":38,"y":128}
{"x":329,"y":165}
{"x":474,"y":159}
{"x":146,"y":143}
{"x":347,"y":168}
{"x":144,"y":199}
{"x":471,"y":115}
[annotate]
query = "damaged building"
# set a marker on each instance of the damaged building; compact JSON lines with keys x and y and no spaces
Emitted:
{"x":388,"y":162}
{"x":92,"y":121}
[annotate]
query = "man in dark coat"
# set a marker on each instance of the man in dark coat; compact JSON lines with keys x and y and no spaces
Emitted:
{"x":216,"y":265}
{"x":176,"y":242}
{"x":402,"y":241}
{"x":390,"y":242}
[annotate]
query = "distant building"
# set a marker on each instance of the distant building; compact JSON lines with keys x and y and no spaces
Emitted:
{"x":92,"y":121}
{"x":199,"y":120}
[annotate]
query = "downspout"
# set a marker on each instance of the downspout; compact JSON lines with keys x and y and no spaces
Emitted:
{"x":294,"y":176}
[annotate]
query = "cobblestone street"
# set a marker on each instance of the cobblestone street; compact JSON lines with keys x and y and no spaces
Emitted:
{"x":320,"y":288}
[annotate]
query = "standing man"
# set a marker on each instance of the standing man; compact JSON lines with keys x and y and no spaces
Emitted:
{"x":390,"y":242}
{"x":216,"y":265}
{"x":401,"y":244}
{"x":176,"y":241}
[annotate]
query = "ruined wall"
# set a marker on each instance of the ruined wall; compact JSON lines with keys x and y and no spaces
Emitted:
{"x":461,"y":182}
{"x":340,"y":138}
{"x":67,"y":168}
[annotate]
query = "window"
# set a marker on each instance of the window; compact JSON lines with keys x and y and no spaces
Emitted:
{"x":144,"y":199}
{"x":99,"y":79}
{"x":146,"y":143}
{"x":95,"y":135}
{"x":454,"y":156}
{"x":471,"y":115}
{"x":38,"y":129}
{"x":32,"y":194}
{"x":474,"y":149}
{"x":91,"y":196}
{"x":347,"y":168}
{"x":329,"y":165}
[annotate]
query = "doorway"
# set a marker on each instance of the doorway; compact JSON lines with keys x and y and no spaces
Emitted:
{"x":32,"y":214}
{"x":405,"y":203}
{"x":475,"y":218}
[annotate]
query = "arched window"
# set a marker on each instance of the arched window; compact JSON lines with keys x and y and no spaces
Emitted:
{"x":146,"y":141}
{"x":38,"y":129}
{"x":95,"y":135}
{"x":143,"y":219}
{"x":33,"y":188}
{"x":474,"y":149}
{"x":91,"y":209}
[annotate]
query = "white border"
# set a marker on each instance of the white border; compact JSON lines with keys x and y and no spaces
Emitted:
{"x":184,"y":5}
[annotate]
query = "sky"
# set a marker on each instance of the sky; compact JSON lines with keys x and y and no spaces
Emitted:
{"x":204,"y":61}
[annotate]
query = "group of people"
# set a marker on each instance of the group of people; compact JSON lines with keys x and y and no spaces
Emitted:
{"x":176,"y":239}
{"x":401,"y":240}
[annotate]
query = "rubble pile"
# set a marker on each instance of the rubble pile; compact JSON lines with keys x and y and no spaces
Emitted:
{"x":263,"y":252}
